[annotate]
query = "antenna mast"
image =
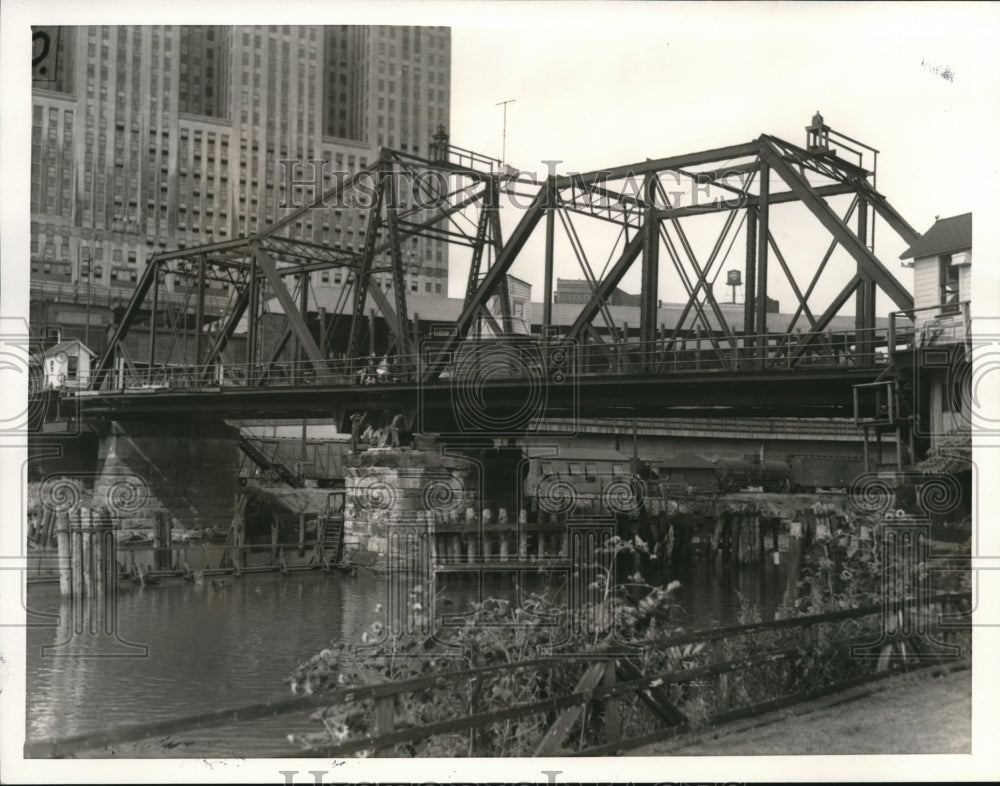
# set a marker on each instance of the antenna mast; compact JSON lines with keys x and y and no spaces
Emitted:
{"x":503,"y":155}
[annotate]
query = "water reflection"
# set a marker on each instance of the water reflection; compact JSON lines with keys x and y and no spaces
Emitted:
{"x":230,"y":642}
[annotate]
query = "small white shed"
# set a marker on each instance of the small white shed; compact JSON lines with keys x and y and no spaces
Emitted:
{"x":67,"y":365}
{"x":942,"y":269}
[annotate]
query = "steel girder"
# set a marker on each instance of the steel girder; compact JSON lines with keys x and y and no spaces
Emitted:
{"x":647,"y":222}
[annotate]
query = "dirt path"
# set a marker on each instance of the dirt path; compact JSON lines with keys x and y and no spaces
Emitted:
{"x":915,"y":713}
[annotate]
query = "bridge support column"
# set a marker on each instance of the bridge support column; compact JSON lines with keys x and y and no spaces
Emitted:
{"x":187,"y":472}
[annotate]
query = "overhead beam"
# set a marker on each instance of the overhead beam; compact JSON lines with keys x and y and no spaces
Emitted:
{"x":720,"y":205}
{"x":641,"y":168}
{"x":868,"y":262}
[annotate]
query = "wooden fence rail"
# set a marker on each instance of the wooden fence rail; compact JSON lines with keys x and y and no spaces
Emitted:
{"x":609,"y":676}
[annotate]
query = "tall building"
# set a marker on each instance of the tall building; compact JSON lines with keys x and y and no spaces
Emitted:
{"x":149,"y":138}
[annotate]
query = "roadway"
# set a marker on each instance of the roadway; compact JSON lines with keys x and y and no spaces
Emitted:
{"x":507,"y":404}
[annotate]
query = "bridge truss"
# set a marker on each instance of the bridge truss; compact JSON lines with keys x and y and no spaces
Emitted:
{"x":456,"y":197}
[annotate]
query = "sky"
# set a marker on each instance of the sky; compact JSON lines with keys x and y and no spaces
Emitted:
{"x":603,"y":86}
{"x":599,"y":84}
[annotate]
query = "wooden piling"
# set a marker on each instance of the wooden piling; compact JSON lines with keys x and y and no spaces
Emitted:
{"x":63,"y":528}
{"x":794,"y":556}
{"x":87,"y":554}
{"x":522,"y":545}
{"x":722,"y":678}
{"x":101,"y":526}
{"x":42,"y":528}
{"x":76,"y":554}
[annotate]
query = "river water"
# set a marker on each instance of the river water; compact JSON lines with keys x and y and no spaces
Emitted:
{"x":180,"y":648}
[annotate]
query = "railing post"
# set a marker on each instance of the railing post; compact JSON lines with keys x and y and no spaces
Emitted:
{"x":722,"y":678}
{"x":612,"y":720}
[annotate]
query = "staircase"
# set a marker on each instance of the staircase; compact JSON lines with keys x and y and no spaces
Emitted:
{"x":332,"y":538}
{"x":257,"y":456}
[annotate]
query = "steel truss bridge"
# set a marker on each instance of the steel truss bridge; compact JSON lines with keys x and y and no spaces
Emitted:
{"x":273,"y":350}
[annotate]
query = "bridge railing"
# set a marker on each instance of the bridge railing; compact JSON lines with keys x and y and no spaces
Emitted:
{"x":700,"y":353}
{"x":930,"y":326}
{"x":741,"y":353}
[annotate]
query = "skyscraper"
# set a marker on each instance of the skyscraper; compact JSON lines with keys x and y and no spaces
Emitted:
{"x":148,"y":138}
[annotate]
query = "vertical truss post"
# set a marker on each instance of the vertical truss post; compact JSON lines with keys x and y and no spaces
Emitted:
{"x":650,"y":274}
{"x":760,"y":321}
{"x":300,"y":354}
{"x":864,"y":308}
{"x":152,"y":323}
{"x":750,"y":283}
{"x":478,"y":247}
{"x":252,"y":301}
{"x":550,"y":240}
{"x":398,"y":284}
{"x":200,"y":317}
{"x":363,"y":271}
{"x":324,"y":338}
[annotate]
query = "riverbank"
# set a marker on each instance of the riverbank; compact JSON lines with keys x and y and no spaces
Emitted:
{"x":912,"y":713}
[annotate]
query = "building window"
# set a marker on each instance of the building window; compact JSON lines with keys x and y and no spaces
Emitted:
{"x":949,"y":285}
{"x":575,"y":469}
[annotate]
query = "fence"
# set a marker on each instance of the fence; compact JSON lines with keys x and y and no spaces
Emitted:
{"x":729,"y":672}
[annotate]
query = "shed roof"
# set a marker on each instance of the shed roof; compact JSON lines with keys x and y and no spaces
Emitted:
{"x":64,"y":346}
{"x":946,"y":236}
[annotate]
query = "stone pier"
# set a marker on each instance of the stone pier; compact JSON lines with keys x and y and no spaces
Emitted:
{"x":187,"y":471}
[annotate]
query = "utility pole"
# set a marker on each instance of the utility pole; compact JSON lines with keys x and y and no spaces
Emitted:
{"x":503,"y":154}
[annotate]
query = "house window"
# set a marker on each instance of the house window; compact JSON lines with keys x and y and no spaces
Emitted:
{"x":618,"y":469}
{"x":546,"y":467}
{"x":575,"y":469}
{"x":591,"y":472}
{"x":949,"y":285}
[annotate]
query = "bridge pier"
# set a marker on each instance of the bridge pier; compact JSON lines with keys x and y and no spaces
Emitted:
{"x":184,"y":472}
